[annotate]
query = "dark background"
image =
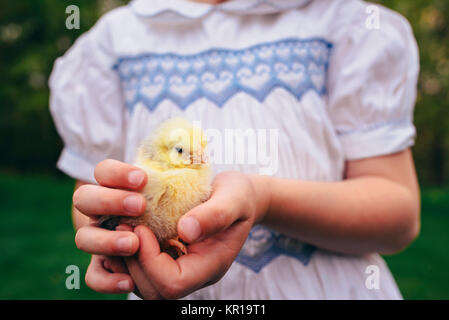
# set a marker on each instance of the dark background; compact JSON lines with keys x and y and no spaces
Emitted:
{"x":35,"y":198}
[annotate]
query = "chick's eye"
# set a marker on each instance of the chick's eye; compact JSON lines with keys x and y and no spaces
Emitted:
{"x":179,"y":150}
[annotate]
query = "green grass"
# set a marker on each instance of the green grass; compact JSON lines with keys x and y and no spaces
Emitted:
{"x":37,"y":244}
{"x":38,"y":240}
{"x":422,"y":271}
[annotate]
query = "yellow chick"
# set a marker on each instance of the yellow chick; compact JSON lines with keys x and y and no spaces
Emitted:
{"x":179,"y":178}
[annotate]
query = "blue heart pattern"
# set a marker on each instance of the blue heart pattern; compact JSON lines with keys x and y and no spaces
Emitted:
{"x":263,"y":245}
{"x":297,"y":65}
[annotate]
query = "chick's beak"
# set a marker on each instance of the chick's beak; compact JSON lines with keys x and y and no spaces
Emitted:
{"x":200,"y":158}
{"x":204,"y":158}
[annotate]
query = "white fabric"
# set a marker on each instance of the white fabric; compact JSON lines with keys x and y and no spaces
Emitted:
{"x":333,"y":88}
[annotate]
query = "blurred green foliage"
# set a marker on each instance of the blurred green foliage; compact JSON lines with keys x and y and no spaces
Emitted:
{"x":33,"y":35}
{"x":37,"y":237}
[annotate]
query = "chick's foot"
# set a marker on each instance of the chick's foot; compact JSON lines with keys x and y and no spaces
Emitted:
{"x":175,"y":247}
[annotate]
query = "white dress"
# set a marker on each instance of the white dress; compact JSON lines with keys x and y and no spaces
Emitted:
{"x":333,"y":80}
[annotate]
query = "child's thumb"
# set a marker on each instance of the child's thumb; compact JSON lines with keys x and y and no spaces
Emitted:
{"x":204,"y":221}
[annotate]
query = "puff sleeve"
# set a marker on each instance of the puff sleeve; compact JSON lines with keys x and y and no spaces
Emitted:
{"x":86,"y":104}
{"x":372,"y":86}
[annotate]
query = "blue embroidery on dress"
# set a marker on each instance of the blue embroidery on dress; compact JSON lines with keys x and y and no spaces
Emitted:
{"x":297,"y":65}
{"x":263,"y":245}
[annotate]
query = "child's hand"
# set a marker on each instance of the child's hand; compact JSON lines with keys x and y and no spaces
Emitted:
{"x":216,"y":230}
{"x":224,"y":222}
{"x":114,"y":196}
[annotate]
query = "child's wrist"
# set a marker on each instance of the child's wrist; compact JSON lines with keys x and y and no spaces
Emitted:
{"x":261,"y":186}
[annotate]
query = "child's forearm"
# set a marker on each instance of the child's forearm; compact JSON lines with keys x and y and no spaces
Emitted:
{"x":357,"y":216}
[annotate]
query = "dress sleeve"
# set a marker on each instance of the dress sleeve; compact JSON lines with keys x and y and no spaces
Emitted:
{"x":372,"y":87}
{"x":87,"y":105}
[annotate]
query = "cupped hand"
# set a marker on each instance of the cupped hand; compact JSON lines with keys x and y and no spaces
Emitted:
{"x":115,"y":195}
{"x":215,"y":230}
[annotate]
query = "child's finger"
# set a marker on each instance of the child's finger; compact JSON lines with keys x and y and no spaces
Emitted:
{"x":99,"y":279}
{"x":96,"y":240}
{"x":207,"y":219}
{"x":174,"y":279}
{"x":123,"y":227}
{"x":221,"y":211}
{"x":116,"y":174}
{"x":145,"y":287}
{"x":157,"y":266}
{"x":93,"y":200}
{"x":115,"y":265}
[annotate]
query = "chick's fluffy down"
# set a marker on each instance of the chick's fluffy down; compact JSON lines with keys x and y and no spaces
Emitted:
{"x":174,"y":159}
{"x":169,"y":195}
